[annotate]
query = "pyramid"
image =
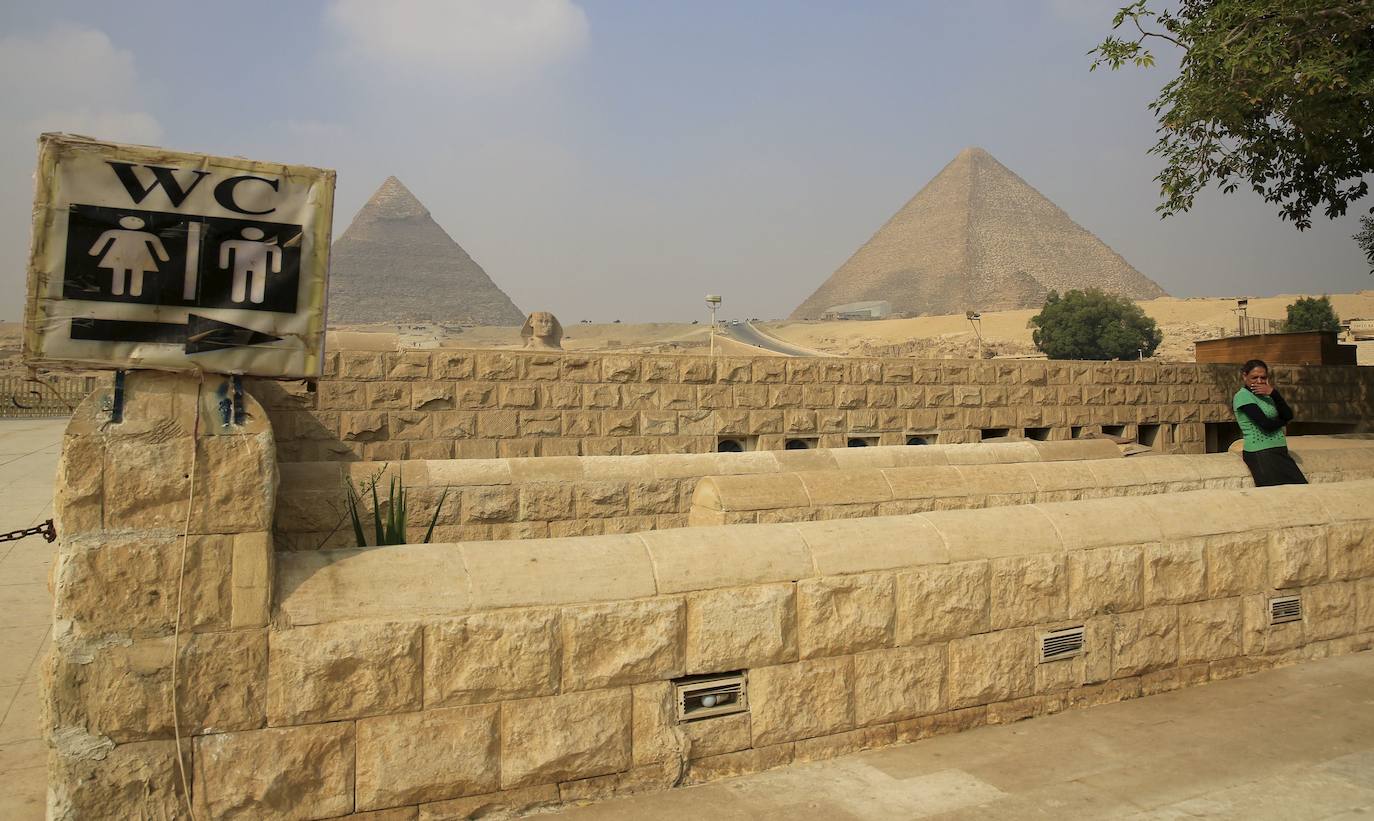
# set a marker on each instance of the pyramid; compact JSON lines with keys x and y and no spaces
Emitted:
{"x":394,"y":264}
{"x":976,"y":237}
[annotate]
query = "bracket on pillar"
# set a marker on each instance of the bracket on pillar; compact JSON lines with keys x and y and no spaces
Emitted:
{"x":238,"y":399}
{"x":117,"y":401}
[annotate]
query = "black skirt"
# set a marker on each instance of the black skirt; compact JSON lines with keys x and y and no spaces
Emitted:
{"x":1273,"y":466}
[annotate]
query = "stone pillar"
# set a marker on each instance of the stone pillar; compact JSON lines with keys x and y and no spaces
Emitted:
{"x":158,"y":523}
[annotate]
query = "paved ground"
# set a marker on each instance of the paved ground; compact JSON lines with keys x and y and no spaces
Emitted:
{"x":1296,"y":743}
{"x":28,"y":462}
{"x":1293,"y":743}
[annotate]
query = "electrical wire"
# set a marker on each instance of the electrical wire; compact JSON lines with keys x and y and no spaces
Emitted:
{"x":181,"y":579}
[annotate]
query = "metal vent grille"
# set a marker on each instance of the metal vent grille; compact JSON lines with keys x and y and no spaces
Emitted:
{"x":1061,"y":644}
{"x":1285,"y":609}
{"x":705,"y":696}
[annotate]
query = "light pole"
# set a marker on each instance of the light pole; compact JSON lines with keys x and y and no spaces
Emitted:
{"x":713,"y":302}
{"x":976,"y":320}
{"x":1241,"y":306}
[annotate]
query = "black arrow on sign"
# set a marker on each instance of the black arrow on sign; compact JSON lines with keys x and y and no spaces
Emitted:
{"x":199,"y":335}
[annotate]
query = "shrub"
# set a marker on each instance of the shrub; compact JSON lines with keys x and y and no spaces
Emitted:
{"x":1312,"y":314}
{"x":1093,"y":325}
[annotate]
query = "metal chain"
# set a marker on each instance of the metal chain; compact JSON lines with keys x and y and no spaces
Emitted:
{"x":46,"y":530}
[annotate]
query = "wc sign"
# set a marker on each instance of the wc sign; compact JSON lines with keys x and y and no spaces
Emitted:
{"x":146,"y":258}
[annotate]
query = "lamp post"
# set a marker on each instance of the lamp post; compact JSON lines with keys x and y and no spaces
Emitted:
{"x":976,"y":320}
{"x":713,"y":302}
{"x":1241,"y":305}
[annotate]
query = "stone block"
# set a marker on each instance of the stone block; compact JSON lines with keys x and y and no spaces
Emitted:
{"x":1145,"y":640}
{"x":562,"y":738}
{"x":362,"y":365}
{"x":1027,"y":590}
{"x":492,"y":656}
{"x":128,"y":584}
{"x":89,"y":777}
{"x":431,"y":755}
{"x":1297,"y":557}
{"x":388,"y":395}
{"x":1237,"y":564}
{"x":1104,"y":580}
{"x":1364,"y":605}
{"x":482,"y":505}
{"x":991,"y":667}
{"x":79,"y":498}
{"x":546,"y":501}
{"x":1175,"y":572}
{"x":1329,"y":611}
{"x":1350,"y":550}
{"x":504,"y":804}
{"x":938,"y":602}
{"x":1209,"y":630}
{"x":823,"y":748}
{"x":623,"y":642}
{"x":339,"y":671}
{"x":288,"y":773}
{"x":744,"y":762}
{"x":431,"y":396}
{"x":801,"y":700}
{"x":124,"y":692}
{"x":147,"y":482}
{"x":845,"y":614}
{"x":600,"y":500}
{"x":898,"y":684}
{"x":740,"y":628}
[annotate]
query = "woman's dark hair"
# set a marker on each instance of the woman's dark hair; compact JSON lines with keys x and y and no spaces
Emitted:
{"x":1254,"y":363}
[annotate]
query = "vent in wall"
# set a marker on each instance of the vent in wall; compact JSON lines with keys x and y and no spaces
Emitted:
{"x":1285,"y":609}
{"x":1061,"y":644}
{"x":713,"y":695}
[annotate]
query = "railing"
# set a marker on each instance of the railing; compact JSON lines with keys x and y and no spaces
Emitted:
{"x":42,"y":396}
{"x":1252,"y":325}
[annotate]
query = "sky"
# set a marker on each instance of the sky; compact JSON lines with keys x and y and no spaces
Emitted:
{"x":615,"y":160}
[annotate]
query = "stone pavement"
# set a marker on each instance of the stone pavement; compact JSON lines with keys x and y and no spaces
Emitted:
{"x":28,"y":463}
{"x":1291,"y":743}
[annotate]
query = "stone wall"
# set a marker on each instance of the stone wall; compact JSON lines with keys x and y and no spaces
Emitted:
{"x":582,"y":495}
{"x":851,"y":494}
{"x":443,"y":404}
{"x":164,"y":558}
{"x":517,"y":673}
{"x":448,"y":680}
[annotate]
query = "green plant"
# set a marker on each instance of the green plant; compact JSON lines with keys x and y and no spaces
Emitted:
{"x":391,"y":529}
{"x":1093,"y":325}
{"x":1312,"y":314}
{"x":1273,"y":95}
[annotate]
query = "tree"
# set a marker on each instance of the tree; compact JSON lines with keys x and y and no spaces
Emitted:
{"x":1093,"y":325}
{"x":1274,"y":94}
{"x":1312,"y":314}
{"x":1365,"y":239}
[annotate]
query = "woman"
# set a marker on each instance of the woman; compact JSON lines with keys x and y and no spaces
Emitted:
{"x":1262,"y":414}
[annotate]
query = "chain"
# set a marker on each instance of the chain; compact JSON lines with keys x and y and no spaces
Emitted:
{"x":46,"y":530}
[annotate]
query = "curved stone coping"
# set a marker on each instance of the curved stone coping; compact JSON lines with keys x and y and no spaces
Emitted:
{"x":815,"y":489}
{"x":1324,"y":441}
{"x":469,"y":472}
{"x":414,"y":581}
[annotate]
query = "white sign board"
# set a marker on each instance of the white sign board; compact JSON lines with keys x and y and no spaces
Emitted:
{"x":147,"y":258}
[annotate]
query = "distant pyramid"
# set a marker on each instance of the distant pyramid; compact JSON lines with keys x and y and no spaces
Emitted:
{"x":395,"y":264}
{"x":976,"y":237}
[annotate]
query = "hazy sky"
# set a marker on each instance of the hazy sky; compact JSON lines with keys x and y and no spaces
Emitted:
{"x":620,"y":159}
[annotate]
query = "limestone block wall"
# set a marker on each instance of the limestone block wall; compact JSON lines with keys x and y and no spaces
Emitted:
{"x":584,"y":495}
{"x":447,"y":680}
{"x":443,"y":404}
{"x":162,"y":588}
{"x":849,"y":494}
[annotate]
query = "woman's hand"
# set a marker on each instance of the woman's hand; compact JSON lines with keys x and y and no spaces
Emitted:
{"x":1262,"y":388}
